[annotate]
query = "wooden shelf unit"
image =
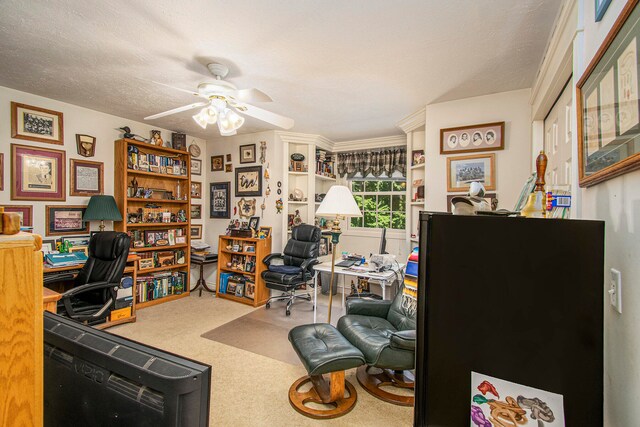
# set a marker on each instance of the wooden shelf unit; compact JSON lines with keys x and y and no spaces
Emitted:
{"x":158,"y":181}
{"x":262,"y":249}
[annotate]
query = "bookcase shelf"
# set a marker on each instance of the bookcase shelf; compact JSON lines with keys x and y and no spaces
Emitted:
{"x":225,"y":256}
{"x":153,"y":280}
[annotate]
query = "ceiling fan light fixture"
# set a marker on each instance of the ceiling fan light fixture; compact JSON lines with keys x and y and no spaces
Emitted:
{"x":201,"y":119}
{"x":235,"y":119}
{"x":211,"y":114}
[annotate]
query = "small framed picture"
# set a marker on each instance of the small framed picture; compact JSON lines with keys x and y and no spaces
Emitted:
{"x":219,"y":200}
{"x":474,"y":138}
{"x":250,"y":290}
{"x":196,"y":167}
{"x":463,"y":170}
{"x":254,"y":221}
{"x":417,"y":157}
{"x":196,"y":211}
{"x":83,"y":249}
{"x":196,"y":231}
{"x":87,"y":178}
{"x":196,"y":190}
{"x":217,"y":163}
{"x":49,"y":246}
{"x":228,"y":167}
{"x":86,"y":145}
{"x":38,"y":173}
{"x":25,"y":212}
{"x":249,"y":181}
{"x":228,"y":158}
{"x":248,"y":153}
{"x":36,"y":124}
{"x":63,"y":219}
{"x":239,"y":290}
{"x":77,"y":240}
{"x":181,"y":240}
{"x":266,"y":231}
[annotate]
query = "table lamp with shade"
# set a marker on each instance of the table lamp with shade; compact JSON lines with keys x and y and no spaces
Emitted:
{"x":338,"y":204}
{"x":102,"y":208}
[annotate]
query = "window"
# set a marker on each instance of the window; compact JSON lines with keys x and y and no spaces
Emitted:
{"x":382,"y":203}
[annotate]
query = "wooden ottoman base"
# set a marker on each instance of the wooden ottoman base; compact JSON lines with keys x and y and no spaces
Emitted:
{"x":372,"y":382}
{"x":323,"y":392}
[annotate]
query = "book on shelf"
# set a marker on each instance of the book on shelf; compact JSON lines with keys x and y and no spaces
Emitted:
{"x":159,"y":285}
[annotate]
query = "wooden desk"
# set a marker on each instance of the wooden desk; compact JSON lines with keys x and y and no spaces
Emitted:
{"x":50,"y":297}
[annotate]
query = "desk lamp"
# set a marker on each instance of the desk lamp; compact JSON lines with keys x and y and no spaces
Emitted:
{"x":102,"y":208}
{"x":340,"y":204}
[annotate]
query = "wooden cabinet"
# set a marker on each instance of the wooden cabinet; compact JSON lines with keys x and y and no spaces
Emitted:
{"x":152,"y":190}
{"x":21,"y":342}
{"x":241,"y":259}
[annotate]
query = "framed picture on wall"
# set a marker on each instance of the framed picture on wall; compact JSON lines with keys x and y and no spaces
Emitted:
{"x":25,"y":212}
{"x":196,"y":167}
{"x":196,"y":231}
{"x":217,"y":163}
{"x":36,"y":124}
{"x":220,"y":200}
{"x":87,"y":177}
{"x":249,"y":181}
{"x":196,"y":190}
{"x":196,"y":211}
{"x":63,"y":219}
{"x":248,"y":153}
{"x":608,"y":104}
{"x":463,"y":170}
{"x":474,"y":138}
{"x":38,"y":173}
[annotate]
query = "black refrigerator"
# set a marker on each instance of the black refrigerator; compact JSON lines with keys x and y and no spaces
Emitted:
{"x":518,"y":299}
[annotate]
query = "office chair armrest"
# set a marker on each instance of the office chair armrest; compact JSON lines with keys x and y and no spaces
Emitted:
{"x":368,"y":307}
{"x":308,"y":264}
{"x":267,"y":260}
{"x":404,"y":340}
{"x":88,"y":287}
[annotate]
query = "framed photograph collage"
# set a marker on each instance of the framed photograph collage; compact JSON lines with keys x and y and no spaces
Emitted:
{"x":608,"y":104}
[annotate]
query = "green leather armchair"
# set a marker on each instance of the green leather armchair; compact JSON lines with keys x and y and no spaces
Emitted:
{"x":385,"y":333}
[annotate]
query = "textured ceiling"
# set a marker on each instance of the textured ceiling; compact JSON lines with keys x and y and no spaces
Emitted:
{"x":342,"y":69}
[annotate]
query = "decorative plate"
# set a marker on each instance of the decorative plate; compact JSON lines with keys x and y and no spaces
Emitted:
{"x":297,"y":157}
{"x":194,"y":150}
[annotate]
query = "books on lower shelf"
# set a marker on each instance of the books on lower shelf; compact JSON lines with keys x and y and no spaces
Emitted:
{"x":159,"y":285}
{"x":238,"y":285}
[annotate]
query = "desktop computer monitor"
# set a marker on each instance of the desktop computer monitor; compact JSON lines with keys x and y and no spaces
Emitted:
{"x":383,"y":242}
{"x":92,"y":377}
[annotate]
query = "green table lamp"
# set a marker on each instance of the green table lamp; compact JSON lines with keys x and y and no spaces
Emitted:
{"x":338,"y":204}
{"x":102,"y":208}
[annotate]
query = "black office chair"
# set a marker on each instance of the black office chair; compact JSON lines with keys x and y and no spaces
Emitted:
{"x":95,"y":288}
{"x":298,"y":258}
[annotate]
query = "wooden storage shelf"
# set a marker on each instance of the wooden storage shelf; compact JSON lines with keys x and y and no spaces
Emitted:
{"x":325,"y":178}
{"x":158,"y":248}
{"x":160,"y":201}
{"x":157,"y":224}
{"x":262,"y":249}
{"x":161,"y":300}
{"x":154,"y":180}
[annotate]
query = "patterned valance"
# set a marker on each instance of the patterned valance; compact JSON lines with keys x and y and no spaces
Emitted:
{"x":376,"y":163}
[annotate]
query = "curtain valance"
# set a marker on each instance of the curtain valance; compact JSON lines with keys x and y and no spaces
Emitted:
{"x":387,"y":161}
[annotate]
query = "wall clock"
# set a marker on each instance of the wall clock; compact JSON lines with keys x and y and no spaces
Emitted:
{"x":194,"y":150}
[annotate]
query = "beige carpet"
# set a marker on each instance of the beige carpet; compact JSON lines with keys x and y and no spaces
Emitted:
{"x":247,"y":389}
{"x":265,"y":331}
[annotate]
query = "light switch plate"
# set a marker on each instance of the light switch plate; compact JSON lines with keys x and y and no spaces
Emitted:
{"x":615,"y":290}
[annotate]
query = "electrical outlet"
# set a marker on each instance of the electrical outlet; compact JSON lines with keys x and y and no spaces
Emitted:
{"x":615,"y":290}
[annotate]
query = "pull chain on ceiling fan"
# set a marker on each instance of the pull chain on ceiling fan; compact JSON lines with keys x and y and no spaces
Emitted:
{"x":223,"y":102}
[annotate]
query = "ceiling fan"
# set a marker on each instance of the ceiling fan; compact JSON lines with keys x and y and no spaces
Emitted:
{"x":223,"y":102}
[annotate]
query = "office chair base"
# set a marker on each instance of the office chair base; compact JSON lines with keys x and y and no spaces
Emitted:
{"x":289,"y":298}
{"x":372,"y":383}
{"x":330,"y":393}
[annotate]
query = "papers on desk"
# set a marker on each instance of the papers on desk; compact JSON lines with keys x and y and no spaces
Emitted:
{"x":199,"y":245}
{"x":65,"y":260}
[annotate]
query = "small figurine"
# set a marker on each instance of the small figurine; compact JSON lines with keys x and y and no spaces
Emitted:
{"x":156,"y":138}
{"x":474,"y":202}
{"x":279,"y":205}
{"x":128,"y":135}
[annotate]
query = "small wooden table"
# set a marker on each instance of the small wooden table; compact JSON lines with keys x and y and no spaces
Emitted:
{"x":50,"y":300}
{"x":201,"y":281}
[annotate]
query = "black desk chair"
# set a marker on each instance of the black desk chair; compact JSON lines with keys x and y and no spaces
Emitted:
{"x":95,"y":288}
{"x":298,"y":258}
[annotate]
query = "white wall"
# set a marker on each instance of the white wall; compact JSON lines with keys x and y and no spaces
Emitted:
{"x":76,"y":120}
{"x":617,"y":202}
{"x":512,"y":163}
{"x":231,"y":145}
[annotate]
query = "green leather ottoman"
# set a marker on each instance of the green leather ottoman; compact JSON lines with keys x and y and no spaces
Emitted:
{"x":323,"y":350}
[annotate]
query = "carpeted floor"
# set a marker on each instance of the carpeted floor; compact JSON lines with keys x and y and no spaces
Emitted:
{"x":265,"y":332}
{"x":247,"y":388}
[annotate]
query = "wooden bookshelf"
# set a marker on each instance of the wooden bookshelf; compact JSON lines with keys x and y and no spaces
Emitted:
{"x":225,"y":256}
{"x":162,"y":181}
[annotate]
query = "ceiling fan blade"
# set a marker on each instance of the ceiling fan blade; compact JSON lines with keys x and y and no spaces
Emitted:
{"x":265,"y":116}
{"x":253,"y":95}
{"x":190,"y":92}
{"x":177,"y":110}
